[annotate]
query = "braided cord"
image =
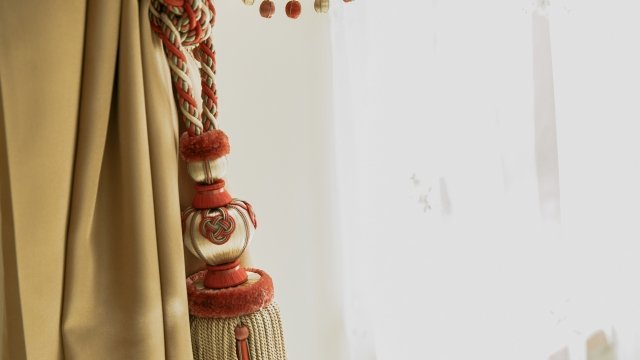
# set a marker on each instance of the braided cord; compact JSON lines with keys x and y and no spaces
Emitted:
{"x":185,"y":27}
{"x":207,"y":58}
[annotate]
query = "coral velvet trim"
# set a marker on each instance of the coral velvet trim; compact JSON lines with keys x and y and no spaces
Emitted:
{"x":225,"y":303}
{"x":209,"y":145}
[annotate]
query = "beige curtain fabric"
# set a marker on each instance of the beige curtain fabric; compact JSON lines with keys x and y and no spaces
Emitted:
{"x":93,"y":262}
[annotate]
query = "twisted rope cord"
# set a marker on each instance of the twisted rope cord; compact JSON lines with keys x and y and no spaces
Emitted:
{"x":207,"y":58}
{"x":185,"y":29}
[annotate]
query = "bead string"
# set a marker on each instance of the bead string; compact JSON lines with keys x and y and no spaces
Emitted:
{"x":292,"y":9}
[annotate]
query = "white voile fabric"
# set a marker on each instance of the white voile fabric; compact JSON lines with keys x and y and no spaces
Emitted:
{"x":488,"y":169}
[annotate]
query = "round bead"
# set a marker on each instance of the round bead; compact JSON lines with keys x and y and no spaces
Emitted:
{"x":267,"y":9}
{"x":321,"y":6}
{"x":248,"y":2}
{"x":219,"y":236}
{"x":207,"y":171}
{"x":293,"y":9}
{"x":241,"y":332}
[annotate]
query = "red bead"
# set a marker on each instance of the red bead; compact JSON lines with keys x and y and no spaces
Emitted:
{"x":211,"y":196}
{"x":242,"y":333}
{"x":225,"y":276}
{"x":293,"y":9}
{"x":267,"y":9}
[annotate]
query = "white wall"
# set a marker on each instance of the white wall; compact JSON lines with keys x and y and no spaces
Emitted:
{"x":275,"y":104}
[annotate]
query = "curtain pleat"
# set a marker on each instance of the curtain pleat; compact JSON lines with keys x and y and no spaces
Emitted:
{"x":40,"y":70}
{"x":91,"y":234}
{"x":166,"y":171}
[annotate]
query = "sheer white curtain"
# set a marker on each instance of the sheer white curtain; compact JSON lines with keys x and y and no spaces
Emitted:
{"x":488,"y":169}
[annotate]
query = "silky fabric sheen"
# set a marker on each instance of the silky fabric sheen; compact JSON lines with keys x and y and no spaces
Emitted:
{"x":91,"y":185}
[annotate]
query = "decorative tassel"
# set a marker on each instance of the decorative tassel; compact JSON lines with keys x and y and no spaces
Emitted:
{"x":242,"y":333}
{"x":217,"y":228}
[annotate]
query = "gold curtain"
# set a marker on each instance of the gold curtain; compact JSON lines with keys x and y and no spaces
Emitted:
{"x":93,"y":260}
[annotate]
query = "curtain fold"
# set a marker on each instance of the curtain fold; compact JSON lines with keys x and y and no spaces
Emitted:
{"x":40,"y":72}
{"x":91,"y":233}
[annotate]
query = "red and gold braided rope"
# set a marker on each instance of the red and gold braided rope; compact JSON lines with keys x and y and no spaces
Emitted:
{"x":185,"y":29}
